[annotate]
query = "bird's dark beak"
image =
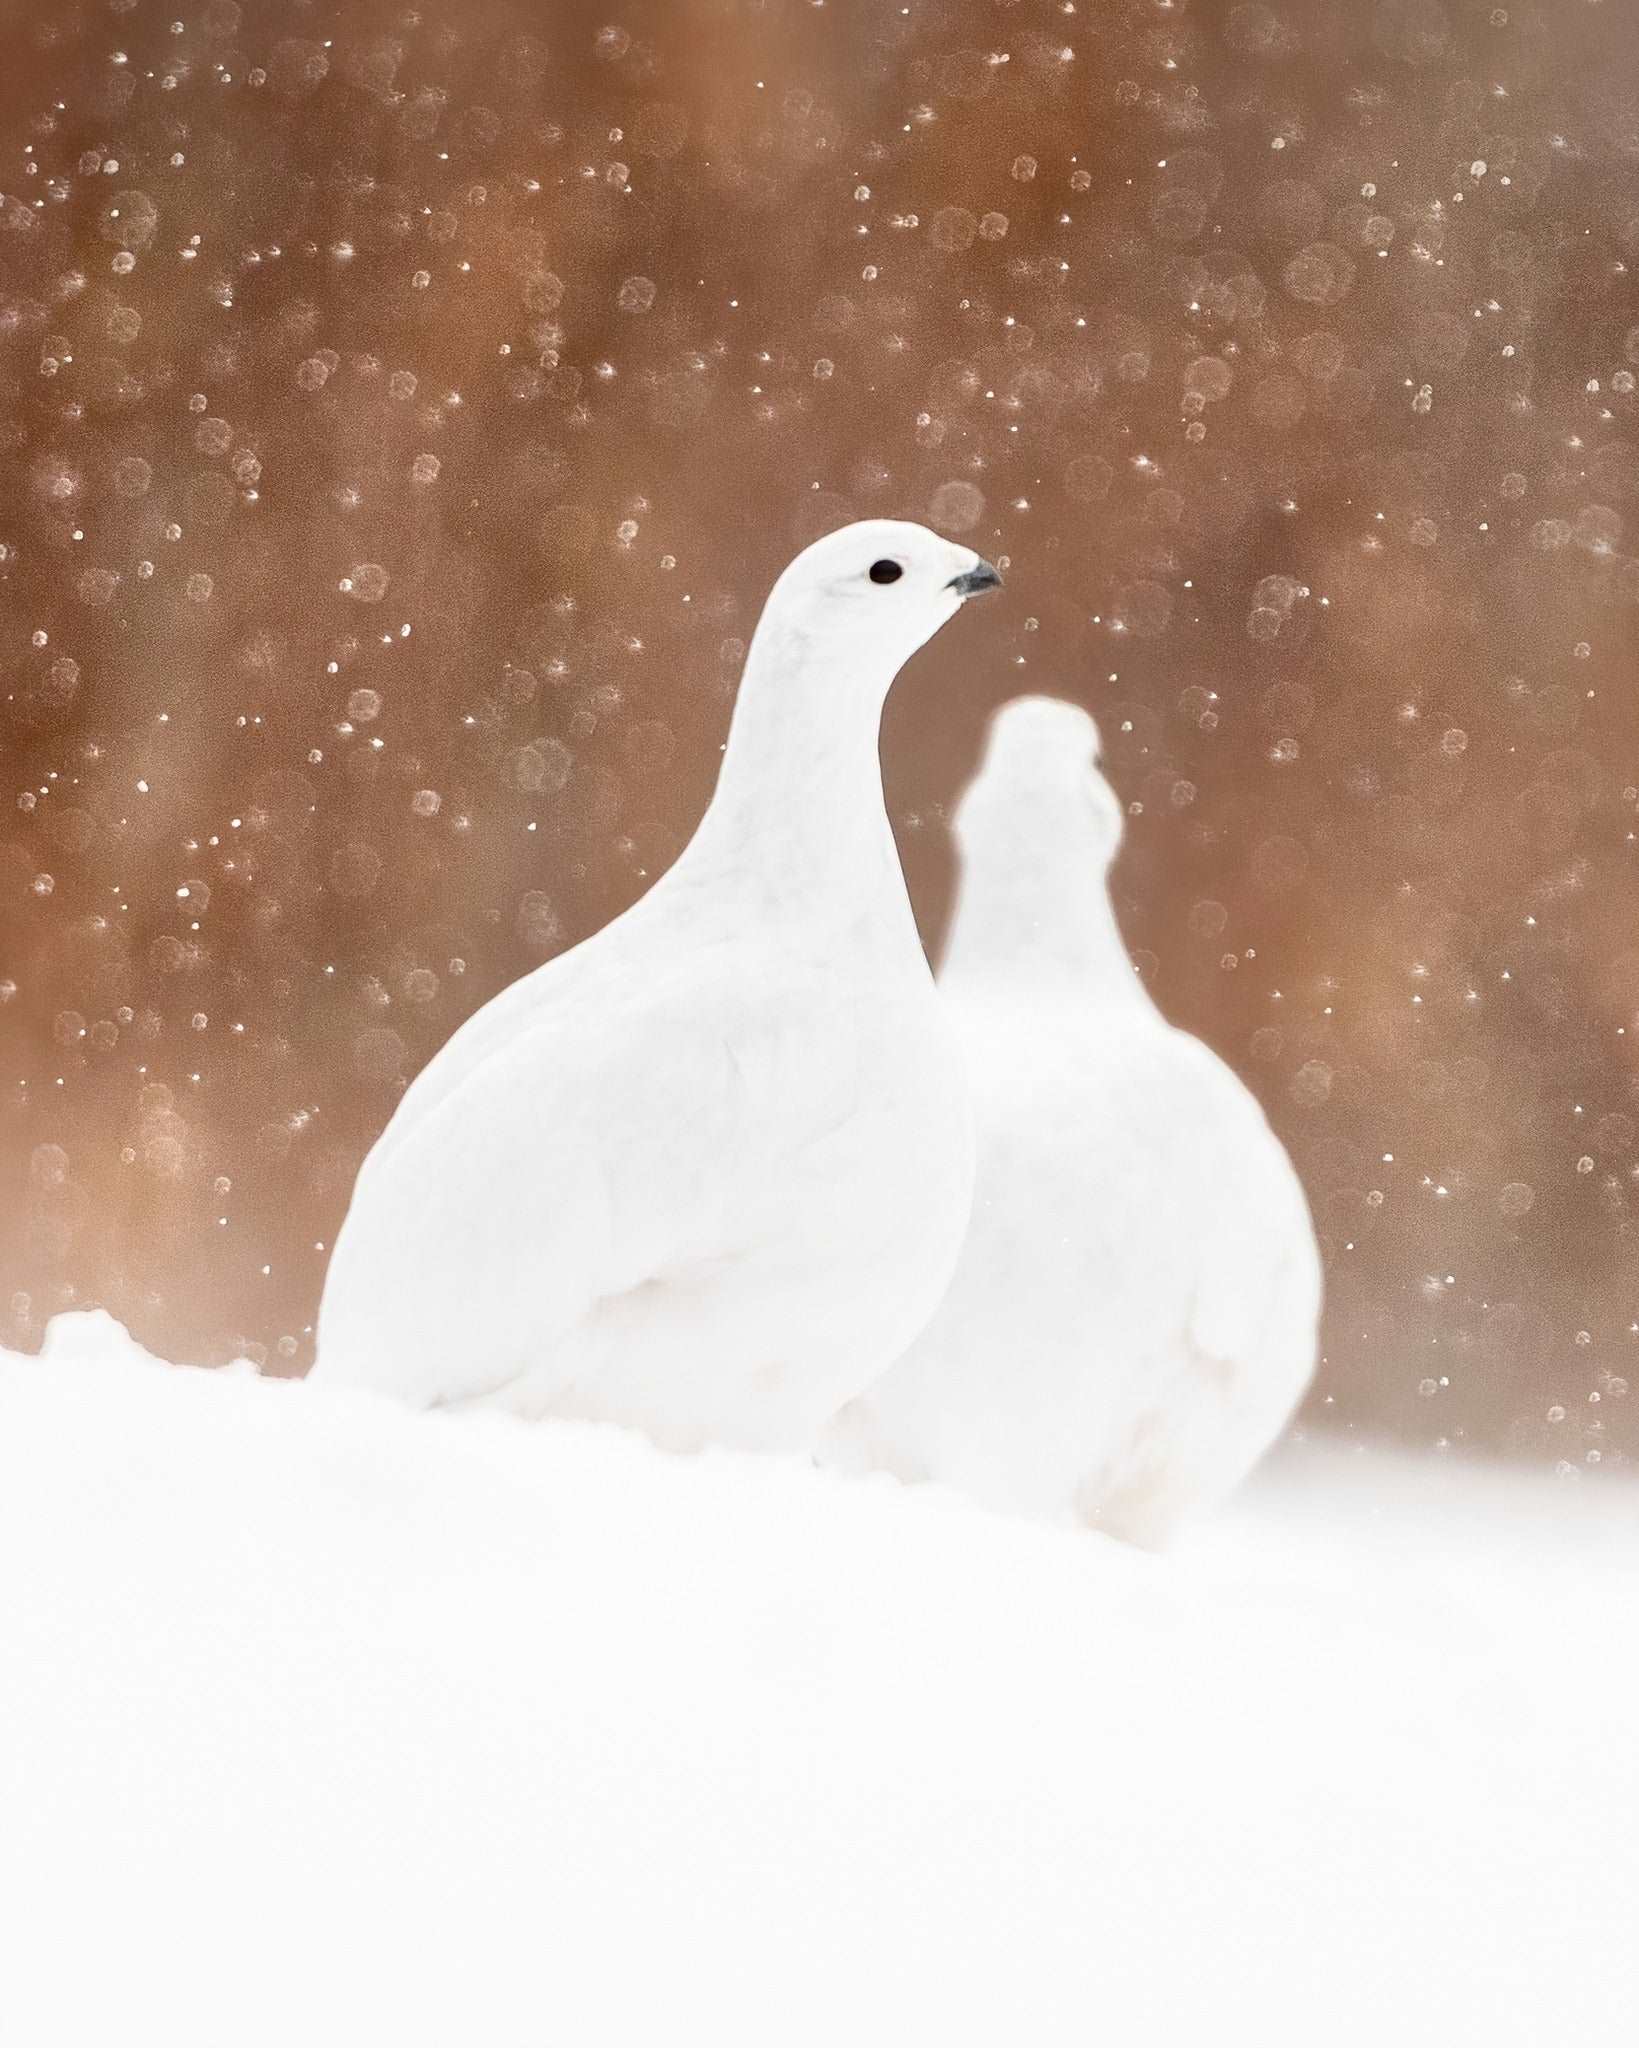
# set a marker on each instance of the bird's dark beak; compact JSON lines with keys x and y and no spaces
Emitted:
{"x":972,"y":581}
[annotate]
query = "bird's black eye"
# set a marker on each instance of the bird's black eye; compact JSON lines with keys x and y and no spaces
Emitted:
{"x":886,"y":572}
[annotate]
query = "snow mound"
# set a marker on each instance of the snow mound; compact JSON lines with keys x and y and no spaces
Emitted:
{"x":325,"y":1722}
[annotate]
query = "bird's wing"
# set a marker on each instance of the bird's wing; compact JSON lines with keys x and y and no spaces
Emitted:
{"x":1257,"y":1292}
{"x":557,"y":985}
{"x":1187,"y":1185}
{"x":601,"y":1145}
{"x":1246,"y":1320}
{"x":1205,"y":1334}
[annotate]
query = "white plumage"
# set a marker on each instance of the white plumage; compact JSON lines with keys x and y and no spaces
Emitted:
{"x":707,"y":1173}
{"x":1133,"y":1316}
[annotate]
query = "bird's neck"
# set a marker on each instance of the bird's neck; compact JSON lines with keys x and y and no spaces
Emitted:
{"x":797,"y":821}
{"x":1038,"y":923}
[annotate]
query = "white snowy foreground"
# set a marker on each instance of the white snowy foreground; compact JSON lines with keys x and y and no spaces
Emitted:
{"x":321,"y":1722}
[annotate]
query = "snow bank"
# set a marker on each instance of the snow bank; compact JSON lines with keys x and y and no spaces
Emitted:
{"x":326,"y":1723}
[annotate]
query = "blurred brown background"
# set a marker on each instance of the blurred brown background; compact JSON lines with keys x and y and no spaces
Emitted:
{"x":403,"y":409}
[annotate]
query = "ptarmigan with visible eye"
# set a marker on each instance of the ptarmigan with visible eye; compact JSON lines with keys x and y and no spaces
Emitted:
{"x":1133,"y":1316}
{"x":707,"y":1173}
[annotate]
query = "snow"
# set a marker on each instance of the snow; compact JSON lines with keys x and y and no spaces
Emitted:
{"x":325,"y":1722}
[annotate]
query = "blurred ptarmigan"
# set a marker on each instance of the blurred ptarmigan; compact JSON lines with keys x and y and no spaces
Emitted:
{"x":708,"y":1172}
{"x":1133,"y":1317}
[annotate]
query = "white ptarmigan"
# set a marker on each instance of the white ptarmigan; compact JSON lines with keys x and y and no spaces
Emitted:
{"x":1133,"y":1318}
{"x":707,"y":1173}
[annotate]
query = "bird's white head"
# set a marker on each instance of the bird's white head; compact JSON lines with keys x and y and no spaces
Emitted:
{"x":1040,"y":779}
{"x":801,"y":775}
{"x":1038,"y":828}
{"x":868,"y":595}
